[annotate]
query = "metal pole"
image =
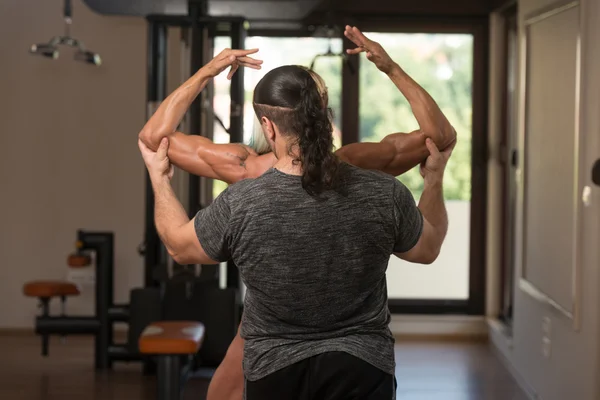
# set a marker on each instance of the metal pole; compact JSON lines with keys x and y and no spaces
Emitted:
{"x":103,"y":244}
{"x":236,"y":116}
{"x":156,"y":92}
{"x":168,"y":377}
{"x":236,"y":121}
{"x":197,"y":9}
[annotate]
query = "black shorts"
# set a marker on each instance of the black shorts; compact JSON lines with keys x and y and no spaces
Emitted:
{"x":327,"y":376}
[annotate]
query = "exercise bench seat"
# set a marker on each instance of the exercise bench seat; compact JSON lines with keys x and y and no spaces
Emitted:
{"x":47,"y":289}
{"x":170,"y":341}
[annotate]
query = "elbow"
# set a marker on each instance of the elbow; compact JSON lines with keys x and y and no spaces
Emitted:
{"x":430,"y":252}
{"x":145,"y":136}
{"x":151,"y":136}
{"x":175,"y":251}
{"x":431,"y":257}
{"x":179,"y":257}
{"x":443,"y":137}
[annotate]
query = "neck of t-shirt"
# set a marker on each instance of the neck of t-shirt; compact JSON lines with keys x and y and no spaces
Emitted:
{"x":287,"y":166}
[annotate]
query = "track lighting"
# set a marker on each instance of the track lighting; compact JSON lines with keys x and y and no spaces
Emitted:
{"x":50,"y":49}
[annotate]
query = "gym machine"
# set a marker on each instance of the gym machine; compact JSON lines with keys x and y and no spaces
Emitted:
{"x":98,"y":246}
{"x":194,"y":298}
{"x":163,"y":298}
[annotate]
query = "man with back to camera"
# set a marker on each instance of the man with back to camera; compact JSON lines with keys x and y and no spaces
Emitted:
{"x":293,"y":234}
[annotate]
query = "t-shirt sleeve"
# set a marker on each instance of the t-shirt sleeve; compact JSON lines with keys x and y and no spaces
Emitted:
{"x":408,"y":219}
{"x":212,"y":228}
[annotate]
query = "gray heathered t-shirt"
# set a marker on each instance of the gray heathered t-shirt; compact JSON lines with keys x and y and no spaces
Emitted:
{"x":314,"y":270}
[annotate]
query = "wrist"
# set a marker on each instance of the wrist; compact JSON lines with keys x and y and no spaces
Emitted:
{"x":395,"y":71}
{"x":431,"y":182}
{"x":159,"y":181}
{"x":206,"y":72}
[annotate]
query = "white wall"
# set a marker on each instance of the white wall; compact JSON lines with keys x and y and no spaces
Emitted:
{"x":69,"y":155}
{"x":572,"y":369}
{"x":448,"y":276}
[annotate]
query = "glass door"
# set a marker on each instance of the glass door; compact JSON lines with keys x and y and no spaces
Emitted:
{"x":442,"y":63}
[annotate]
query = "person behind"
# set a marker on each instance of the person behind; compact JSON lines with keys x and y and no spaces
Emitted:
{"x":232,"y":162}
{"x":312,"y":238}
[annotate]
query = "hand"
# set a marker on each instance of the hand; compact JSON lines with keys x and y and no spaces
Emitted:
{"x":158,"y":163}
{"x":432,"y":169}
{"x":375,"y":53}
{"x":234,"y":59}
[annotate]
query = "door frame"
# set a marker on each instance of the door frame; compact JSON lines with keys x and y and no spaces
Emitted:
{"x":479,"y":28}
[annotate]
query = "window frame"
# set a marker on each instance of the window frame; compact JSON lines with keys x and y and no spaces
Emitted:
{"x":479,"y":28}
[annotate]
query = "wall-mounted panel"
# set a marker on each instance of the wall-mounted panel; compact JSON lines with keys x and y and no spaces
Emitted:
{"x":551,"y":151}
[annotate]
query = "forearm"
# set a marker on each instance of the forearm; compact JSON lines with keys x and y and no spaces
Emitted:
{"x":168,"y":116}
{"x":433,"y":209}
{"x":169,"y":214}
{"x":432,"y":121}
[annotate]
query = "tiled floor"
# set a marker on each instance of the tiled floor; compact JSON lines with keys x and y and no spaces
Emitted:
{"x":426,"y":370}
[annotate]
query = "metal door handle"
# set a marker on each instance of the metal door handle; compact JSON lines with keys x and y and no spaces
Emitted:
{"x":596,"y":172}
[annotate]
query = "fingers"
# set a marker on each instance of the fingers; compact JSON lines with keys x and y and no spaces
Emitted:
{"x":253,"y":65}
{"x":249,"y":60}
{"x":356,"y":36}
{"x":163,"y":149}
{"x":143,"y":148}
{"x":243,"y":61}
{"x":355,"y":51}
{"x":360,"y":35}
{"x":234,"y":67}
{"x":433,"y":150}
{"x":350,"y":33}
{"x":238,"y":53}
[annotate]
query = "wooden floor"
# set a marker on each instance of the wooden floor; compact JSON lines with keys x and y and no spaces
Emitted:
{"x":425,"y":370}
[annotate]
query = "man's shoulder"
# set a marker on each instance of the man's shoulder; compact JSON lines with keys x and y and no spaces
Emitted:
{"x":249,"y":185}
{"x":367,"y":175}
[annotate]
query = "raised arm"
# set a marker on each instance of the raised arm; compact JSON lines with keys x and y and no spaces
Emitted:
{"x":196,"y":154}
{"x":398,"y":152}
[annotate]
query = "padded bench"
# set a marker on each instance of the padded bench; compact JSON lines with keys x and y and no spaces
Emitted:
{"x":49,"y":289}
{"x":170,"y":342}
{"x":45,"y":291}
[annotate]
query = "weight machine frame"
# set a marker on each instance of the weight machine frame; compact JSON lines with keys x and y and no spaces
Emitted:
{"x":203,"y":29}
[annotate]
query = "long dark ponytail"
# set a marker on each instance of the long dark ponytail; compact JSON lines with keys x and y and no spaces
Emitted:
{"x":315,"y":140}
{"x":291,"y":98}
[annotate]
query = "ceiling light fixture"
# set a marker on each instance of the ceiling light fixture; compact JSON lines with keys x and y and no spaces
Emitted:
{"x":50,"y":49}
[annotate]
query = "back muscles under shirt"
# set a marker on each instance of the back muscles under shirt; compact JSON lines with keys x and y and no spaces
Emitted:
{"x":314,"y":270}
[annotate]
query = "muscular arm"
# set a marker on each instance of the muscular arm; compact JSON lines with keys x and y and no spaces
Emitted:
{"x":230,"y":162}
{"x":175,"y":228}
{"x":196,"y":154}
{"x":400,"y":152}
{"x":435,"y":225}
{"x":432,"y":122}
{"x":394,"y":155}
